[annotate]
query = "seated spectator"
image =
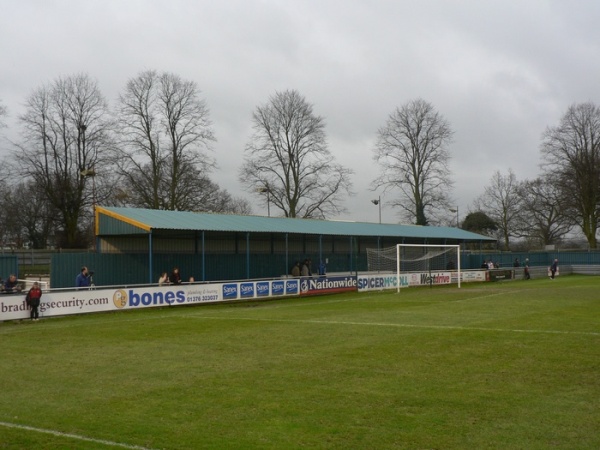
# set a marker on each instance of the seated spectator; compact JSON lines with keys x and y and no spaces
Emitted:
{"x":12,"y":285}
{"x":296,"y":269}
{"x":304,"y":271}
{"x":175,"y":277}
{"x":164,"y":279}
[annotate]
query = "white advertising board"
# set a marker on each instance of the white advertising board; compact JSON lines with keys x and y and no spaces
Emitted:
{"x":371,"y":282}
{"x":61,"y":303}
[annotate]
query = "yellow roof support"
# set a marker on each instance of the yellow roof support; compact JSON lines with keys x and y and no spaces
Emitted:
{"x":135,"y":223}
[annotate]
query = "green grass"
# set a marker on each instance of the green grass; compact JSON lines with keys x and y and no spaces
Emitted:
{"x":511,"y":365}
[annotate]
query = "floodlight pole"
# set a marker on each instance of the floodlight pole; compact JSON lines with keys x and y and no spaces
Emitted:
{"x":268,"y":192}
{"x":455,"y":210}
{"x":377,"y":202}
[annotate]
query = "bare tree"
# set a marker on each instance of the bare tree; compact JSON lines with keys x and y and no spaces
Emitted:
{"x":66,"y":143}
{"x":220,"y":200}
{"x":502,"y":203}
{"x":571,"y":152}
{"x":3,"y":113}
{"x":204,"y":196}
{"x":412,"y":152}
{"x":543,"y":214}
{"x":239,"y":205}
{"x":165,"y":130}
{"x":6,"y":222}
{"x":29,"y":222}
{"x":288,"y":158}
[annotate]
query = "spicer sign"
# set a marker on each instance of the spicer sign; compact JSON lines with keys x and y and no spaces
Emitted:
{"x":379,"y":282}
{"x":392,"y":281}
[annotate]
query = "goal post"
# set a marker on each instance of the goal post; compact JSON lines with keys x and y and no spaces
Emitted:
{"x":427,"y":257}
{"x":417,"y":264}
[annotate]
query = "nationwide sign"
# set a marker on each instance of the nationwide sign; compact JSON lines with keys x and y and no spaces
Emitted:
{"x":327,"y":285}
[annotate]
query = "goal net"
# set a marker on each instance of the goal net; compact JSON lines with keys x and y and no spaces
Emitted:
{"x":428,"y":264}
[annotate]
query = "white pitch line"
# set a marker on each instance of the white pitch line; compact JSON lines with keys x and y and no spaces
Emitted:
{"x":72,"y":436}
{"x":369,"y":296}
{"x":399,"y":325}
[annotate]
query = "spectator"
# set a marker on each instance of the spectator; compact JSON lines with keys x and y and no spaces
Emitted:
{"x":12,"y":285}
{"x":33,"y":300}
{"x":304,"y":270}
{"x":322,"y":268}
{"x":175,"y":277}
{"x":553,"y":269}
{"x":163,"y":279}
{"x":83,"y":279}
{"x":517,"y":263}
{"x":526,"y":274}
{"x":296,"y":269}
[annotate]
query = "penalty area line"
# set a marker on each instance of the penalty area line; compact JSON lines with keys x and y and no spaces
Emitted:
{"x":72,"y":436}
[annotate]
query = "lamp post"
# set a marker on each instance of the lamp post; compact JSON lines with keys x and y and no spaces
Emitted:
{"x":266,"y":189}
{"x":455,"y":210}
{"x":377,"y":202}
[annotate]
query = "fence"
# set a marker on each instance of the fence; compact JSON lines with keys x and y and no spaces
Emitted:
{"x":124,"y":269}
{"x":472,"y":260}
{"x":31,"y":257}
{"x":114,"y":269}
{"x":8,"y":264}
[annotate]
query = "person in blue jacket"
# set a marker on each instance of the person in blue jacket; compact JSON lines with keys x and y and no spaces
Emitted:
{"x":12,"y":285}
{"x":83,"y":279}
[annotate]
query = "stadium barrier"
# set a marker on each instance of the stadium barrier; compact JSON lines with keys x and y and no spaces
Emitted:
{"x":581,"y":269}
{"x":62,"y":302}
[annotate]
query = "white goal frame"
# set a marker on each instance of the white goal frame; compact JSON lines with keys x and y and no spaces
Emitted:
{"x":400,"y":246}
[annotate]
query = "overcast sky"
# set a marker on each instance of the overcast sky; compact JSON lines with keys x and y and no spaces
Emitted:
{"x":500,"y":72}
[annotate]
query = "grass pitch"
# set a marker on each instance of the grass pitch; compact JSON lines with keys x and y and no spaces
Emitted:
{"x":511,"y":365}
